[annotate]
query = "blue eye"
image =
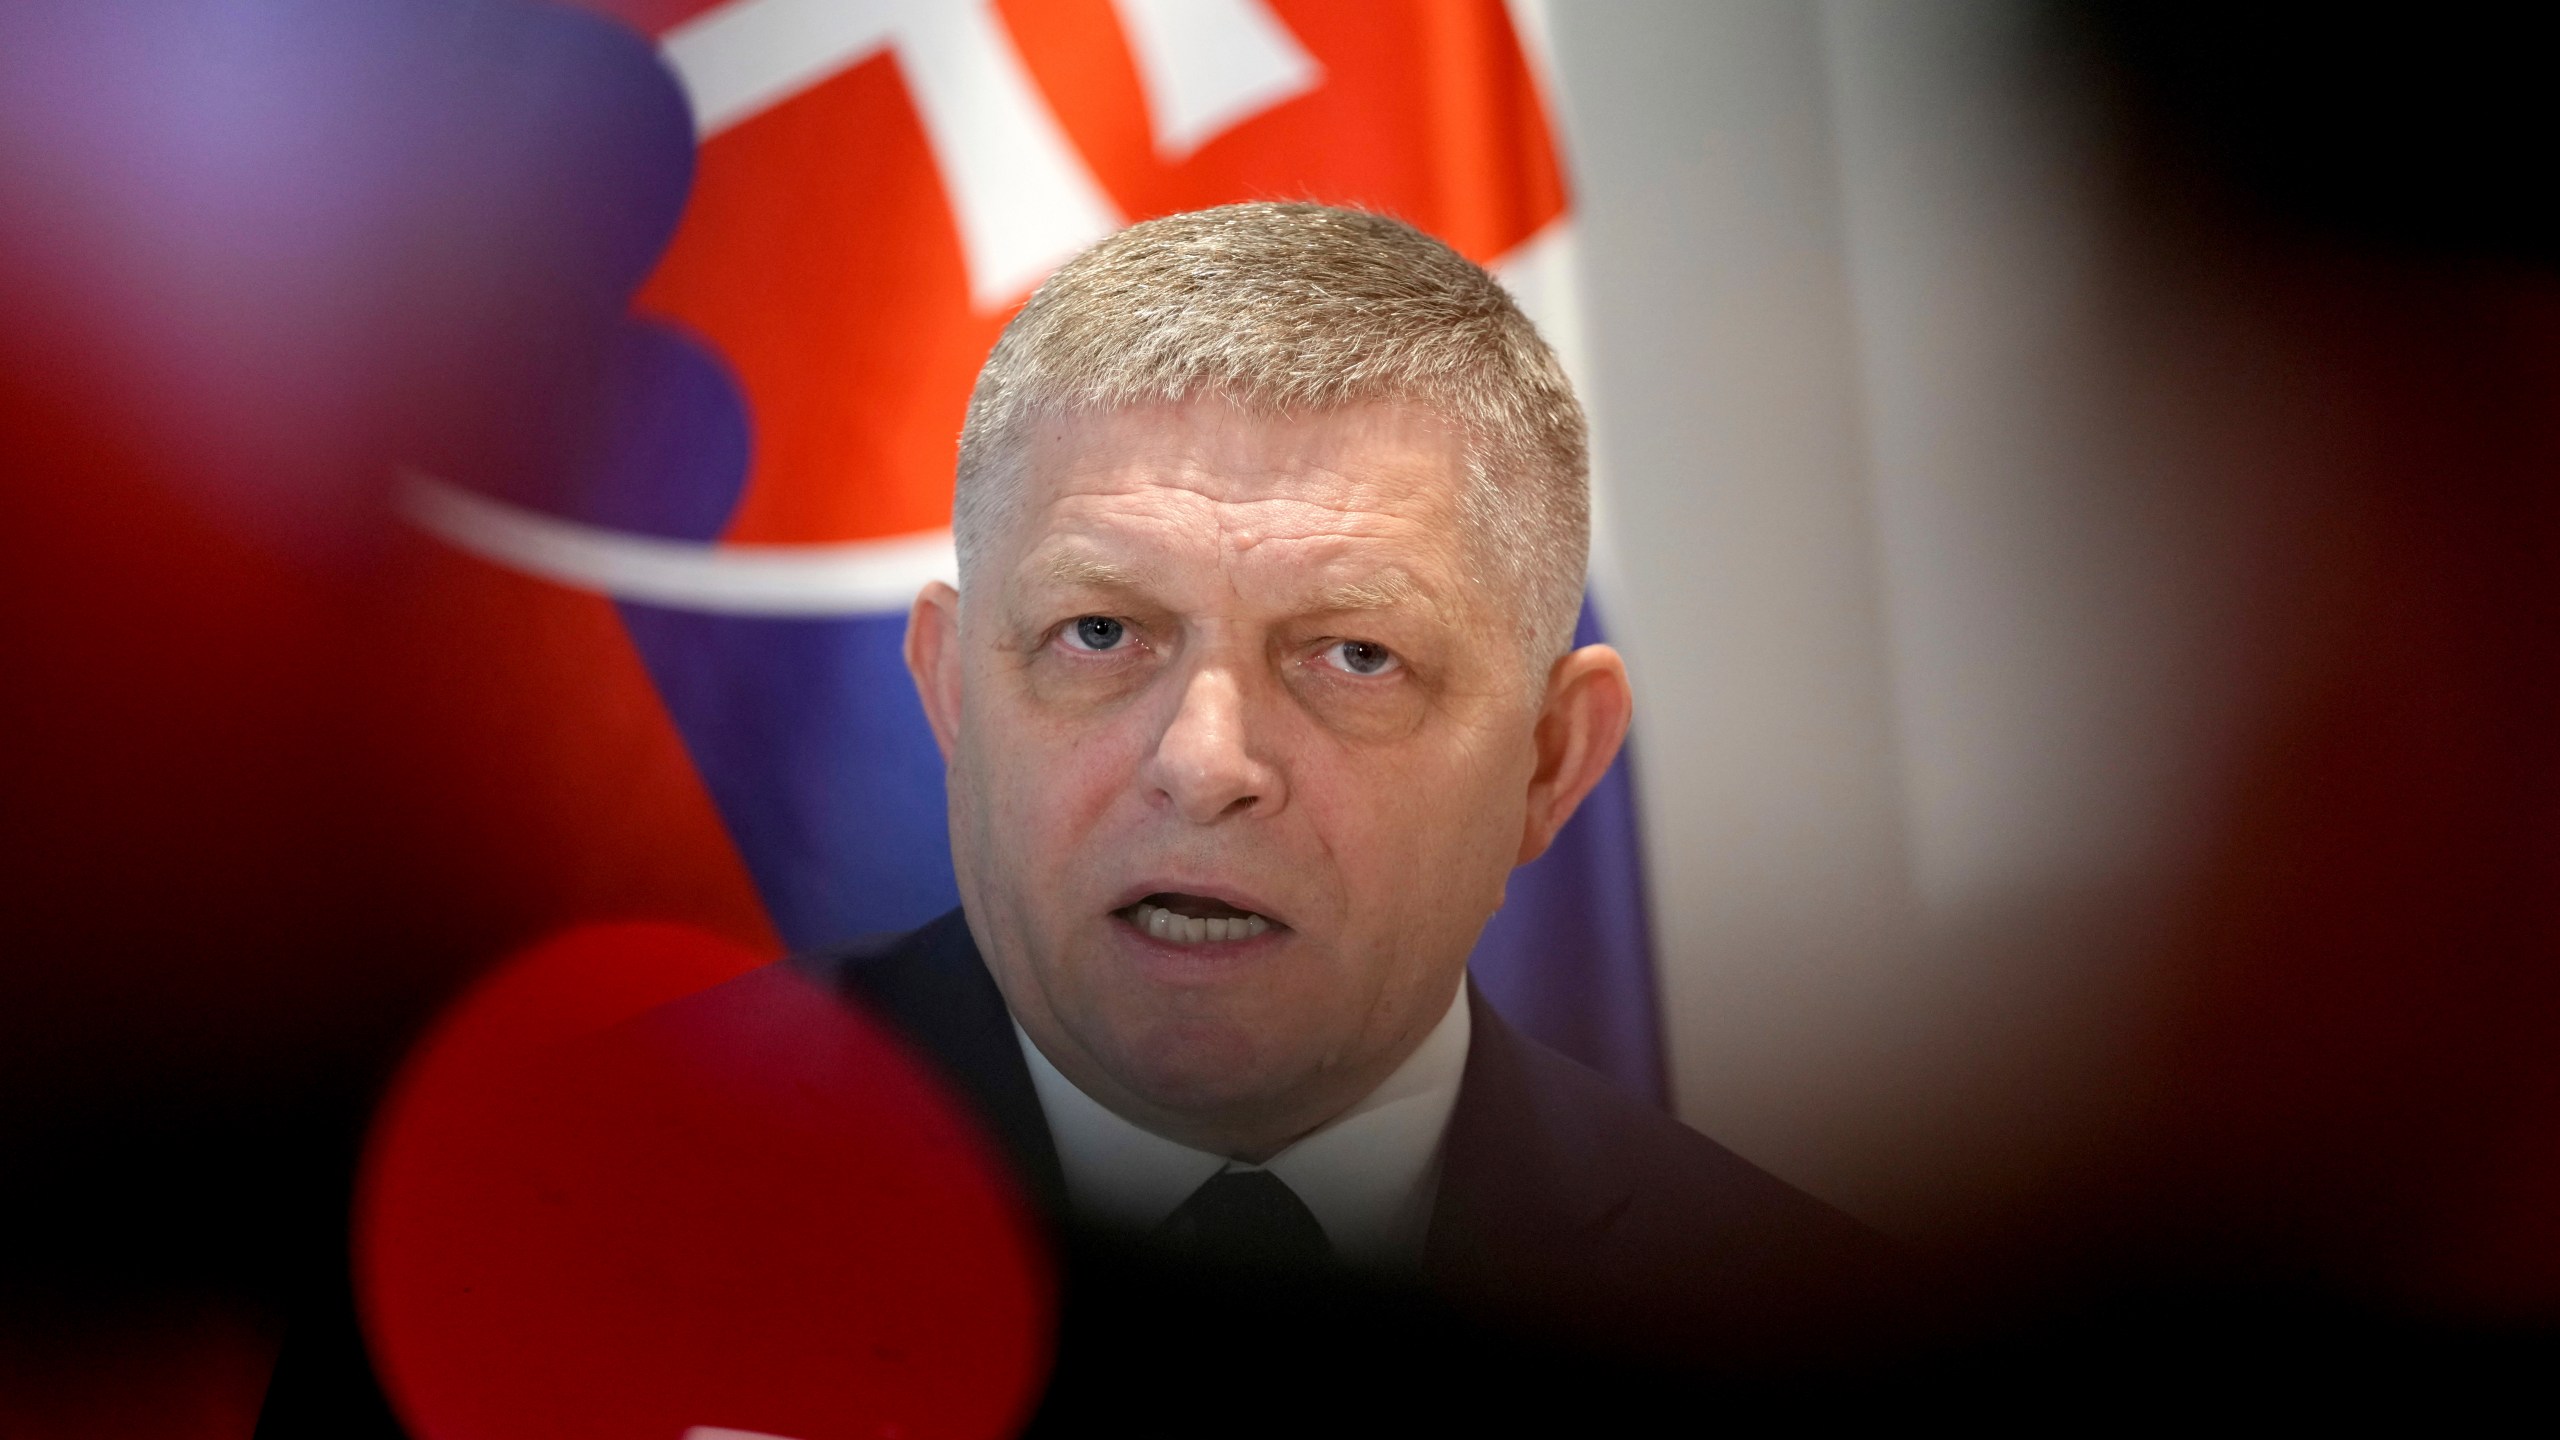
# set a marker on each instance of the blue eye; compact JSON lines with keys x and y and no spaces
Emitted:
{"x":1097,"y":632}
{"x":1362,"y":657}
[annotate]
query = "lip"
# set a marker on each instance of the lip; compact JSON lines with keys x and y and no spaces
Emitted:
{"x":1217,"y":890}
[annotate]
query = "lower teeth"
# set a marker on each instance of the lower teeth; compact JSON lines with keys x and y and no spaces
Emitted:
{"x":1165,"y":925}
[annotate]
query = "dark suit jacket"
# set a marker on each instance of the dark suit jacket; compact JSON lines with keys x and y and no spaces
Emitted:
{"x":1567,"y":1210}
{"x":1587,"y":1254}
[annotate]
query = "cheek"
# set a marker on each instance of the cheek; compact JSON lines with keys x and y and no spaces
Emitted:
{"x":1424,"y":840}
{"x":1042,"y":785}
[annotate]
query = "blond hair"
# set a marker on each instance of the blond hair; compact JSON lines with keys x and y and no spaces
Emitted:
{"x":1292,"y":309}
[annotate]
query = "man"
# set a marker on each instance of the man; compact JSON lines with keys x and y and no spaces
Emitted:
{"x":1272,"y":525}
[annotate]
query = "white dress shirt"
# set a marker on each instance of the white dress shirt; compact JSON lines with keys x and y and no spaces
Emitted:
{"x":1369,"y":1175}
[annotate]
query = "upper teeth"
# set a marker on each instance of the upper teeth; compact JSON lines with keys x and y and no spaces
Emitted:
{"x":1192,"y":930}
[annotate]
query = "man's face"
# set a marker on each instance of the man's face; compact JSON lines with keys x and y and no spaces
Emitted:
{"x":1242,"y":754}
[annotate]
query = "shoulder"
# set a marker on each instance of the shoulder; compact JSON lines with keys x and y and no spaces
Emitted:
{"x":1657,"y":1179}
{"x":909,"y":977}
{"x":906,"y":981}
{"x":1670,"y":1167}
{"x":1567,"y":1197}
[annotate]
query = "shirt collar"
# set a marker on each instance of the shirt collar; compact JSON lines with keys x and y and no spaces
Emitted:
{"x":1369,"y":1174}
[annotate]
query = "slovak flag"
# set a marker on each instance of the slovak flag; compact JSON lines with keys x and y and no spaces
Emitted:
{"x":699,"y":631}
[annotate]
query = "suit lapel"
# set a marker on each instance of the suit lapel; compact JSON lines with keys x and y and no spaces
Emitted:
{"x":1520,"y":1184}
{"x":931,"y":986}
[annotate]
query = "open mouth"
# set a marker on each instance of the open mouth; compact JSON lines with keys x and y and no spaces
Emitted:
{"x":1179,"y":919}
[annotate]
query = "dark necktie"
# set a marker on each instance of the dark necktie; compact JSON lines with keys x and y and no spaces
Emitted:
{"x":1246,"y":1217}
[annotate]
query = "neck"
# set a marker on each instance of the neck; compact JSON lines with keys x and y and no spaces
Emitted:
{"x":1252,"y":1130}
{"x":1248,"y":1128}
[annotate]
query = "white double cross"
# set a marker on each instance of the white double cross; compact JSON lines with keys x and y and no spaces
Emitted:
{"x":1021,"y":197}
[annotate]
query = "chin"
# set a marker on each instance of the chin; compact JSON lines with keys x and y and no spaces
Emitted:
{"x":1200,"y":1066}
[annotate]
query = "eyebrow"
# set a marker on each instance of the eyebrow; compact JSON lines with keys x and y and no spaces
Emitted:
{"x":1384,"y":591}
{"x":1388,"y":589}
{"x":1085,"y":571}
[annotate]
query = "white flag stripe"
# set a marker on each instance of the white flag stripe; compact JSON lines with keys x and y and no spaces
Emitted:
{"x":1022,"y":198}
{"x":1207,"y":66}
{"x":1021,"y":195}
{"x":853,"y":578}
{"x":1543,"y":274}
{"x":1540,"y":273}
{"x":744,"y":58}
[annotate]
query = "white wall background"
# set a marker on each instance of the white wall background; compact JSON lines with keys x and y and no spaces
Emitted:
{"x":1920,"y":653}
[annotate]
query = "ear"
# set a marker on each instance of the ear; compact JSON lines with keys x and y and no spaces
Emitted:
{"x":933,"y":658}
{"x":1580,"y":727}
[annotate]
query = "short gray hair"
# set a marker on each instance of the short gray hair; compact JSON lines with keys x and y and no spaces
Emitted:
{"x":1290,"y":309}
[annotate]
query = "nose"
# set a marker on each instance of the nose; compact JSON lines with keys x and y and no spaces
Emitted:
{"x":1206,"y":765}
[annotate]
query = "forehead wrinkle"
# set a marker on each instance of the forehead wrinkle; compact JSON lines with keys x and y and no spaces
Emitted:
{"x":1342,"y":485}
{"x":1364,"y":502}
{"x":1259,"y":538}
{"x":1377,"y":585}
{"x":1390,"y":587}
